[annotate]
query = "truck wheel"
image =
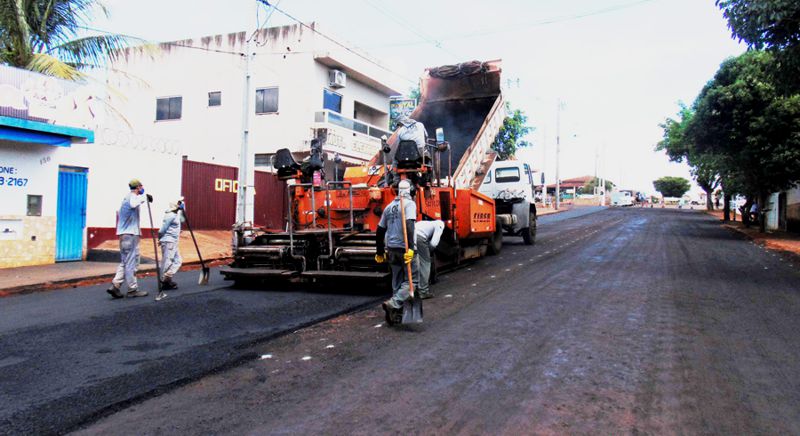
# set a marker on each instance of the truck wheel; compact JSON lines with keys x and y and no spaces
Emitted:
{"x":529,"y":234}
{"x":496,"y":241}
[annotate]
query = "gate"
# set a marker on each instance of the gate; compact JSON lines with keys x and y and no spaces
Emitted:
{"x":70,"y":213}
{"x":210,"y":192}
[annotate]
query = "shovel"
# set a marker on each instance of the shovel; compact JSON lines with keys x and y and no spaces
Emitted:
{"x":412,"y":308}
{"x":205,"y":272}
{"x":161,"y":293}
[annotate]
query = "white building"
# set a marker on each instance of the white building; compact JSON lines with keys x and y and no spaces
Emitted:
{"x":64,"y":168}
{"x":181,"y":102}
{"x":303,"y":85}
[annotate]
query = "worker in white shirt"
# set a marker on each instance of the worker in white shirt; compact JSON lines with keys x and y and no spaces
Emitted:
{"x":428,"y":234}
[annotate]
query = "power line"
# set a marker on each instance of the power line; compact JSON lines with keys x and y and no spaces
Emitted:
{"x":436,"y":43}
{"x":291,"y":17}
{"x":512,"y":27}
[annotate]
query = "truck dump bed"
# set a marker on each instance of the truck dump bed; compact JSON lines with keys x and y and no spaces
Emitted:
{"x":465,"y":100}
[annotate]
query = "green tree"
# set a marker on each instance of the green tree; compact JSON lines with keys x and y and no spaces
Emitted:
{"x":671,"y":186}
{"x":750,"y":125}
{"x":679,"y":147}
{"x":769,"y":24}
{"x":414,"y":93}
{"x":588,"y":187}
{"x":510,"y":137}
{"x":42,"y":36}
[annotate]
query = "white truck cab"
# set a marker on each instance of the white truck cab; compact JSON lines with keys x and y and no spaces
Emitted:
{"x":510,"y":184}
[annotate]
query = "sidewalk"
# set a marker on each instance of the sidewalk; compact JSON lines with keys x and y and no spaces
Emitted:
{"x":215,"y":246}
{"x":787,"y":243}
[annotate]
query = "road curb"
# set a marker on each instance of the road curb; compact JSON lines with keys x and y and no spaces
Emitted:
{"x":96,"y":279}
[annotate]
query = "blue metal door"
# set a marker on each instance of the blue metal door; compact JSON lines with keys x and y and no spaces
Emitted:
{"x":71,"y":213}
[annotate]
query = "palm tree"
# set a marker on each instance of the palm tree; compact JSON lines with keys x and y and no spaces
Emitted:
{"x":42,"y":36}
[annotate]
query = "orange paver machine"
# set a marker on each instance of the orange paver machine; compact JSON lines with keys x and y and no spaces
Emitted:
{"x":331,"y":224}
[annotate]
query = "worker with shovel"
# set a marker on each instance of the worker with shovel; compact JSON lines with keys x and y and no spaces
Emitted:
{"x":168,"y":237}
{"x":129,"y":233}
{"x":394,"y":245}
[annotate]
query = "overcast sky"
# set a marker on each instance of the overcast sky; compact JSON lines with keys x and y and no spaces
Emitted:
{"x":619,"y":66}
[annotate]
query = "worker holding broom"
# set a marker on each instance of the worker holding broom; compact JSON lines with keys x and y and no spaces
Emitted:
{"x":168,"y":237}
{"x":393,"y":245}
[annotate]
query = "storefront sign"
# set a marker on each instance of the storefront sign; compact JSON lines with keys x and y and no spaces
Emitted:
{"x":9,"y":177}
{"x":399,"y":107}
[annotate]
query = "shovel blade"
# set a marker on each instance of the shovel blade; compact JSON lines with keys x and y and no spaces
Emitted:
{"x":204,"y":275}
{"x":412,"y":311}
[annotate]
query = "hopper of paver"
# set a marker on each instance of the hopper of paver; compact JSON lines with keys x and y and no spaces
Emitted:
{"x":464,"y":100}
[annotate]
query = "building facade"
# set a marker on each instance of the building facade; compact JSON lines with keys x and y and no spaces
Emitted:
{"x":302,"y":86}
{"x":64,"y":168}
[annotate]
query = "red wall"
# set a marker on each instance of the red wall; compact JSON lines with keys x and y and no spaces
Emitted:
{"x":210,"y":194}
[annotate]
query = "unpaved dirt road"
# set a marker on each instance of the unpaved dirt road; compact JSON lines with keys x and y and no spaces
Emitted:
{"x":623,"y":321}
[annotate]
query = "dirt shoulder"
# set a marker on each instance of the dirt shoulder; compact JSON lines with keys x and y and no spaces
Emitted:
{"x":786,"y":243}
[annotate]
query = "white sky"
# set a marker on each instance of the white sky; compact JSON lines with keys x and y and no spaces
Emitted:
{"x":620,"y":66}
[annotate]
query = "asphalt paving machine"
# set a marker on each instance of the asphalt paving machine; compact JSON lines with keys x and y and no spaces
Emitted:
{"x":330,"y":224}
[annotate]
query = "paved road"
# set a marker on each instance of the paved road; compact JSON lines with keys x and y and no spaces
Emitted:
{"x":623,"y":321}
{"x":69,"y":356}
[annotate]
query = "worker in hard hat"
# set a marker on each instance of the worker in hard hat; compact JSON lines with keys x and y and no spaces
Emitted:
{"x":129,"y":232}
{"x":391,"y":244}
{"x":428,"y":235}
{"x":168,"y":236}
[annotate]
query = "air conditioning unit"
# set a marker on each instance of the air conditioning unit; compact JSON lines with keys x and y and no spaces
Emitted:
{"x":338,"y":79}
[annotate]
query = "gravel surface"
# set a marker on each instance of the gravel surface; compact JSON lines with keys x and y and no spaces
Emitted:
{"x":622,"y":321}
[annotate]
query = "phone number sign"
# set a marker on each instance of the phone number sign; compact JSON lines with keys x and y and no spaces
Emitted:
{"x":9,"y":176}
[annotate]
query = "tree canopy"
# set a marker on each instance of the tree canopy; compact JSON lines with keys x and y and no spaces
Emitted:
{"x":42,"y":36}
{"x":592,"y":183}
{"x":511,"y":135}
{"x":769,"y":24}
{"x":670,"y":186}
{"x":742,"y":118}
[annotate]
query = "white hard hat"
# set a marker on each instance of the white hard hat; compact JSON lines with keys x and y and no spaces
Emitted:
{"x":404,"y":188}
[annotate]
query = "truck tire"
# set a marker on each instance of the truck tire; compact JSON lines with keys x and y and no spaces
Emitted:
{"x":496,"y":240}
{"x":529,"y":233}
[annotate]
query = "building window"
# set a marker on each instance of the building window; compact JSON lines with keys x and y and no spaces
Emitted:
{"x":169,"y":108}
{"x":34,"y":205}
{"x":331,"y":101}
{"x":266,"y":100}
{"x":215,"y":98}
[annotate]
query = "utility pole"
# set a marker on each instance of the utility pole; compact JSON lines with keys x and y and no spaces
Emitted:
{"x":558,"y":153}
{"x":245,"y":195}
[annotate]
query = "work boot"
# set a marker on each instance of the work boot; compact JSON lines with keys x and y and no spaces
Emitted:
{"x":426,"y":295}
{"x":391,"y":312}
{"x":136,"y":293}
{"x":168,"y":284}
{"x":115,"y":292}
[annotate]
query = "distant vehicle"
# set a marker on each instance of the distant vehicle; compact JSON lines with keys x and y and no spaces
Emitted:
{"x":621,"y":198}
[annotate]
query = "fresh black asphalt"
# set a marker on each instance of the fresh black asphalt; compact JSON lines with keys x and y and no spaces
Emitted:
{"x":70,"y":356}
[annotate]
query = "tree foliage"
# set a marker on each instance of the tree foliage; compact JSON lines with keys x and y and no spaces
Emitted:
{"x":753,"y":129}
{"x":670,"y":186}
{"x":511,"y":135}
{"x":769,"y":24}
{"x":588,"y":187}
{"x":42,"y":36}
{"x":680,"y":147}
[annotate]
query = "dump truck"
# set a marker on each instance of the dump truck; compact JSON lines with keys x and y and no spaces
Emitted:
{"x":330,"y":225}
